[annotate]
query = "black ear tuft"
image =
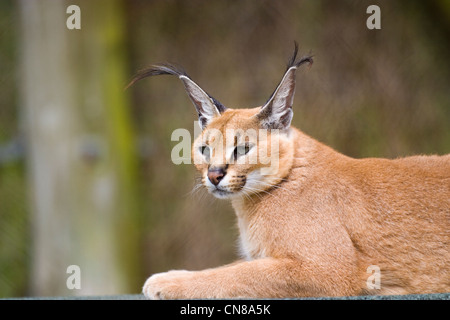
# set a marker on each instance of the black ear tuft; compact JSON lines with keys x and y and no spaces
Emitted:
{"x":293,"y":62}
{"x":157,"y":70}
{"x":277,"y":112}
{"x":205,"y":104}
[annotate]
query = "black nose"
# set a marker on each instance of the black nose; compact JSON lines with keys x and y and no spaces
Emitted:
{"x":215,"y":175}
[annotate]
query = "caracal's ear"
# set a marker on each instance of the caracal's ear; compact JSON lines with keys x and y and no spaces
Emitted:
{"x":277,"y":112}
{"x":204,"y":104}
{"x":207,"y":107}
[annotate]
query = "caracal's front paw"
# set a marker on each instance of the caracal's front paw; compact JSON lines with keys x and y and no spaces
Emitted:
{"x":167,"y":285}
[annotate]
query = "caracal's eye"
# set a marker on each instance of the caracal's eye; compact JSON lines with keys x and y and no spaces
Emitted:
{"x":241,"y":150}
{"x":204,"y":150}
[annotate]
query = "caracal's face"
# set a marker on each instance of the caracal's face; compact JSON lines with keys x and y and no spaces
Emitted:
{"x":241,"y":152}
{"x":237,"y":158}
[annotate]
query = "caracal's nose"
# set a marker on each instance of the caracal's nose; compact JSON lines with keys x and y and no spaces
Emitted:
{"x":215,"y":175}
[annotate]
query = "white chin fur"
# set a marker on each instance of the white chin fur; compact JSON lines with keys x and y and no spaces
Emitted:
{"x":222,"y":195}
{"x":254,"y":183}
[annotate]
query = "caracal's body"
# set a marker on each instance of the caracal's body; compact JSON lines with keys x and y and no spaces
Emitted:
{"x":318,"y":223}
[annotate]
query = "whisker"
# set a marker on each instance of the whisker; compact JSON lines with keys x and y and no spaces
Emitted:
{"x":258,"y":191}
{"x":194,"y":190}
{"x":276,"y":187}
{"x":247,"y":195}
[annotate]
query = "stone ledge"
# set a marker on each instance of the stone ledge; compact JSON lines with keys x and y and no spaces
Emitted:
{"x":434,"y":296}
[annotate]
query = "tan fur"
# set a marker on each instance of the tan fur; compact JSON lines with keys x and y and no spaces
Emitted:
{"x":322,"y":220}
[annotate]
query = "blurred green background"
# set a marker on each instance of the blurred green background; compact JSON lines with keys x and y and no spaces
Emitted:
{"x":86,"y":176}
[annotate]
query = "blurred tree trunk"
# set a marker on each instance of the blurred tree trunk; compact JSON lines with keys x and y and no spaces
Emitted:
{"x":82,"y":164}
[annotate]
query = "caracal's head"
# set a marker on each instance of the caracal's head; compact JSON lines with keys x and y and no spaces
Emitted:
{"x":241,"y":152}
